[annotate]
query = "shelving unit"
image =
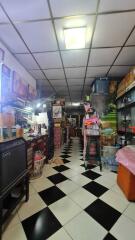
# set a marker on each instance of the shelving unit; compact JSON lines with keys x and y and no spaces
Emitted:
{"x":126,"y":112}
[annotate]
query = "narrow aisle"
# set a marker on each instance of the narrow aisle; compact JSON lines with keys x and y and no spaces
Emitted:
{"x":68,"y":202}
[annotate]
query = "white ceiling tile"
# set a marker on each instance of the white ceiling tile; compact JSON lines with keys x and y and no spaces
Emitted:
{"x":75,"y":58}
{"x":43,"y":82}
{"x":37,"y":74}
{"x":70,"y":7}
{"x":54,"y":73}
{"x":11,"y":39}
{"x":3,"y":17}
{"x":103,"y":56}
{"x":75,"y":88}
{"x":113,"y":29}
{"x":75,"y":81}
{"x":27,"y":61}
{"x":116,"y":5}
{"x":48,"y":60}
{"x":119,"y":71}
{"x":127,"y":56}
{"x":131,"y":40}
{"x":72,"y":22}
{"x":26,"y":9}
{"x":39,"y":36}
{"x":75,"y":72}
{"x":88,"y":81}
{"x":61,"y":82}
{"x":97,"y":71}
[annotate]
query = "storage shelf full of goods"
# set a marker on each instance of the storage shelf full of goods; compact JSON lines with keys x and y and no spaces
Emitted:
{"x":126,"y":105}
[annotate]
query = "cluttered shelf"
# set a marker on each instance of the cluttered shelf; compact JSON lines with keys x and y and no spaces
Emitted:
{"x":131,"y":104}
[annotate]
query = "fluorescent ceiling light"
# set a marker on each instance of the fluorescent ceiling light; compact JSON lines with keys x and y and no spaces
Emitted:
{"x":76,"y":104}
{"x":75,"y":38}
{"x":38,"y":105}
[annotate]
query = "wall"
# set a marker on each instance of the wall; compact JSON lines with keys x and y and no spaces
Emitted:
{"x":13,"y":64}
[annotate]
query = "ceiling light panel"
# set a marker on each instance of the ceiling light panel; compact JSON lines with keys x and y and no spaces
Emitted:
{"x":11,"y":39}
{"x":131,"y":40}
{"x":26,"y":9}
{"x":37,"y":74}
{"x":75,"y":58}
{"x":103,"y":56}
{"x":67,"y":8}
{"x":113,"y":29}
{"x":75,"y":72}
{"x":86,"y":22}
{"x":97,"y":71}
{"x":116,"y":5}
{"x":27,"y":61}
{"x":75,"y":38}
{"x":49,"y":60}
{"x":54,"y":73}
{"x":118,"y":71}
{"x":126,"y":57}
{"x":39,"y":36}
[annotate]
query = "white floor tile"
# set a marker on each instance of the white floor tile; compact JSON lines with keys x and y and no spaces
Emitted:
{"x":118,"y":190}
{"x":14,"y":233}
{"x":124,"y":229}
{"x":115,"y":200}
{"x":82,"y":197}
{"x":80,"y":179}
{"x":69,"y":173}
{"x":12,"y":221}
{"x":83,"y":227}
{"x":108,"y":180}
{"x":49,"y":171}
{"x":41,"y":184}
{"x":130,"y":211}
{"x":31,"y":189}
{"x":60,"y":235}
{"x":34,"y":205}
{"x":67,"y":186}
{"x":65,"y":209}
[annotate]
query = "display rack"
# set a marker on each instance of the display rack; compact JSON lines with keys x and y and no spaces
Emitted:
{"x":126,"y":112}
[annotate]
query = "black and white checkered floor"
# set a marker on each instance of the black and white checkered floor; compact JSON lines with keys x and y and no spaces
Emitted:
{"x":68,"y":202}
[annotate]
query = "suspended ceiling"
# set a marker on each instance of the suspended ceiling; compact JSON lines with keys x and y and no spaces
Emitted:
{"x":33,"y":31}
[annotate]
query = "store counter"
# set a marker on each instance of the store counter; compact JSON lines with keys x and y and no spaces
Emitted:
{"x":126,"y":171}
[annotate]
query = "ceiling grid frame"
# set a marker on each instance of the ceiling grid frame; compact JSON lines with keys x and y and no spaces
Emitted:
{"x":124,"y":44}
{"x":94,"y":27}
{"x":52,"y":18}
{"x":55,"y":32}
{"x":17,"y":31}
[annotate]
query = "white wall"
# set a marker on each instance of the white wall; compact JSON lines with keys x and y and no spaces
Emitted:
{"x":13,"y":64}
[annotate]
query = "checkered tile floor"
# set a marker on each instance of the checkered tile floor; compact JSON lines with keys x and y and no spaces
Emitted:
{"x":68,"y":202}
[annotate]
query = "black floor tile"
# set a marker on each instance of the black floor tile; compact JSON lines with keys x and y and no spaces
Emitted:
{"x":65,"y":156}
{"x":90,"y":174}
{"x":109,"y":237}
{"x":66,"y":152}
{"x":57,"y":178}
{"x":65,"y":161}
{"x":41,"y":225}
{"x":61,"y":168}
{"x":95,"y":188}
{"x":103,"y":213}
{"x":89,"y":166}
{"x":51,"y":195}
